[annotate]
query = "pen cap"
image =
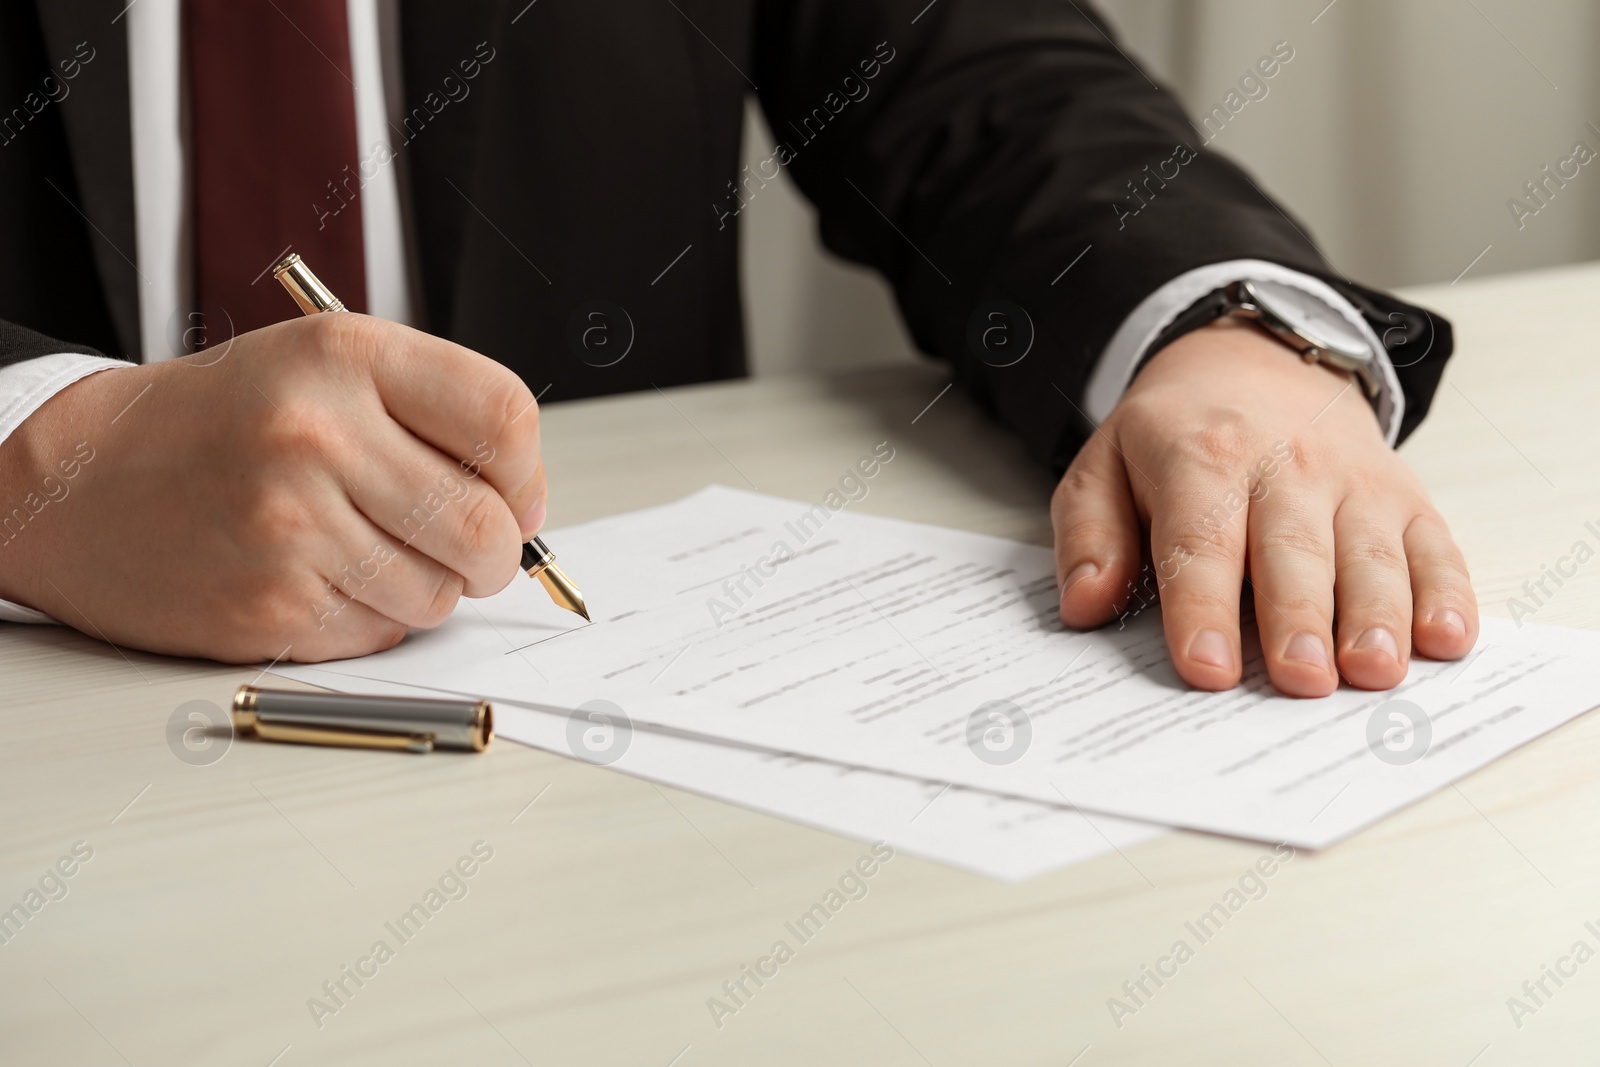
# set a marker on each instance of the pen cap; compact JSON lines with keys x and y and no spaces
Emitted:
{"x":306,"y":288}
{"x":466,"y":725}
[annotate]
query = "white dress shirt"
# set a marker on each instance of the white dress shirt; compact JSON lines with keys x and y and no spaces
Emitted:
{"x":163,"y":221}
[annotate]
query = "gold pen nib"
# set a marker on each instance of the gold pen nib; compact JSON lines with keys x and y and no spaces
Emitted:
{"x":562,"y":591}
{"x":540,"y":563}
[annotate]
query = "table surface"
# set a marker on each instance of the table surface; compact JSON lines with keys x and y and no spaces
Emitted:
{"x":220,"y":898}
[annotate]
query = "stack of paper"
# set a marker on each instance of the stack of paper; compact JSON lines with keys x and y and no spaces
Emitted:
{"x":900,"y":659}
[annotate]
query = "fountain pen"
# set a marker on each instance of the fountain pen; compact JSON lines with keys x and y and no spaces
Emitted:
{"x":314,"y":298}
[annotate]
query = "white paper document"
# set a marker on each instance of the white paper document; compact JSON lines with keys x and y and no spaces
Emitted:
{"x":1000,"y":837}
{"x":937,"y":654}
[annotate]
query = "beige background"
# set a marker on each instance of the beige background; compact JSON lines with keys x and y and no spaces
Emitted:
{"x":1398,"y":132}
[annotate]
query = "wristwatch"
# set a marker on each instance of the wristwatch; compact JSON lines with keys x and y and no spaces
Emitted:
{"x":1309,"y":327}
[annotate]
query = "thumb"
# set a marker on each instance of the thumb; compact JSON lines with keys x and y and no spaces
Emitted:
{"x":1097,"y":533}
{"x":528,"y":503}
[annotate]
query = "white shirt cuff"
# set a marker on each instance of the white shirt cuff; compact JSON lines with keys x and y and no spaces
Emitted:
{"x":24,"y":388}
{"x":1114,"y":371}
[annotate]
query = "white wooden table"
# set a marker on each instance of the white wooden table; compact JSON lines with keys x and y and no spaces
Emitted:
{"x":220,"y":898}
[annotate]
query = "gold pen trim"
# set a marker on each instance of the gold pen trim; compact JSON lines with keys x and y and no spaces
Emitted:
{"x":540,"y":563}
{"x":319,"y":735}
{"x":306,"y":288}
{"x":482,"y":726}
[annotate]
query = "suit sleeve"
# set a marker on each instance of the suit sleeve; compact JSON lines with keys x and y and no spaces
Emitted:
{"x":18,"y":344}
{"x":1006,"y":154}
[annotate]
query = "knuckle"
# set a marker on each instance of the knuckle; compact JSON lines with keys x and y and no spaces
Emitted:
{"x":1072,"y":492}
{"x":1379,"y":609}
{"x":275,"y":518}
{"x":297,"y":428}
{"x":1200,"y":600}
{"x":1223,"y":444}
{"x":512,"y":416}
{"x":1295,"y":453}
{"x":388,"y":633}
{"x":1428,"y":542}
{"x":1072,"y":486}
{"x":441,"y":601}
{"x":274,"y":428}
{"x":1364,"y":484}
{"x":1294,"y":539}
{"x":482,"y":525}
{"x":1373,"y":548}
{"x":1088,"y":532}
{"x":1222,"y":524}
{"x":1197,"y":539}
{"x":1449,"y":571}
{"x":1300,"y":606}
{"x":319,"y":430}
{"x":283,"y":613}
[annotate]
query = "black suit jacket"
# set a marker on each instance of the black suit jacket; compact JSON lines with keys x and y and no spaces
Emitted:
{"x":968,"y":149}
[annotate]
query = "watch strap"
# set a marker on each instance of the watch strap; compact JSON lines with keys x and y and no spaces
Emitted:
{"x":1202,"y":312}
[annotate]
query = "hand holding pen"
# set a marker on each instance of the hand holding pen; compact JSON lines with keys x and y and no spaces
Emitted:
{"x":538,"y":561}
{"x":310,"y":490}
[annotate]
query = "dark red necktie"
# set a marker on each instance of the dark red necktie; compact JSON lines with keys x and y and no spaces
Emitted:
{"x":274,"y":154}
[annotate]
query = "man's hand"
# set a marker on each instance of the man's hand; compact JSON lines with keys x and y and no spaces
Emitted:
{"x":309,"y":492}
{"x":1241,"y":460}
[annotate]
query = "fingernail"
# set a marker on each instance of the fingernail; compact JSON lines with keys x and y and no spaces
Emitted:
{"x":1076,"y":575}
{"x":1451,"y":620}
{"x":1308,"y":649}
{"x":533,"y":519}
{"x":1211,"y":647}
{"x":1379,"y":638}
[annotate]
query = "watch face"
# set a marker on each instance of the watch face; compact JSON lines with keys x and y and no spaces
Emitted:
{"x":1312,"y":319}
